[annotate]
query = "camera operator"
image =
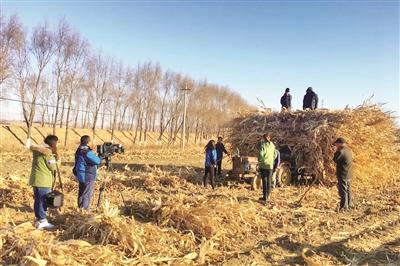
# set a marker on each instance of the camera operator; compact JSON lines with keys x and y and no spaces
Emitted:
{"x":44,"y":162}
{"x":85,"y":170}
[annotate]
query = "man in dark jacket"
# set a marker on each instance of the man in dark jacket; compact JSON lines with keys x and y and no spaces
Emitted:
{"x":310,"y":100}
{"x":85,"y":170}
{"x":344,"y":161}
{"x":286,"y":100}
{"x":220,"y":147}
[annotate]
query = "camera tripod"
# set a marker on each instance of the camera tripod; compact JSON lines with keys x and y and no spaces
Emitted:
{"x":104,"y":183}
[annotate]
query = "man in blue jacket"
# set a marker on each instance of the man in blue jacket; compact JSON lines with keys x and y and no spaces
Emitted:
{"x":85,"y":170}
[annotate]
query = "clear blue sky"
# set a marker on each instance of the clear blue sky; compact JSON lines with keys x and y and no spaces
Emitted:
{"x":345,"y":50}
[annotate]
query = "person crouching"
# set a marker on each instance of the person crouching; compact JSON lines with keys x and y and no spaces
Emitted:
{"x":210,"y":161}
{"x":85,"y":170}
{"x":43,"y":166}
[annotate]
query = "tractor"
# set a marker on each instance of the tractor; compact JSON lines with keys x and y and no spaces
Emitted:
{"x":245,"y":169}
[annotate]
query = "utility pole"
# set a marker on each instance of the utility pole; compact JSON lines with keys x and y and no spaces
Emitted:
{"x":185,"y":90}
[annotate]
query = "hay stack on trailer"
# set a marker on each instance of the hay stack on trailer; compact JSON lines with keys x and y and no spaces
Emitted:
{"x":307,"y":135}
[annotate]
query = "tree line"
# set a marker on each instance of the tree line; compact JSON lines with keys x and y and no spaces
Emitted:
{"x":62,"y":82}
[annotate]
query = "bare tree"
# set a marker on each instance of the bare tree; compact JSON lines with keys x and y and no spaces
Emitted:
{"x":76,"y":50}
{"x":62,"y":57}
{"x":45,"y":93}
{"x":98,"y":78}
{"x":11,"y":41}
{"x":30,"y":73}
{"x":122,"y":79}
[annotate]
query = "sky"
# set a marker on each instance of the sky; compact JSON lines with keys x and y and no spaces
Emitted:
{"x":346,"y":50}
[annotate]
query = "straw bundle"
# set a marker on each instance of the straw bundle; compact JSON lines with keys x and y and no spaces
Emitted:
{"x":106,"y":238}
{"x":24,"y":244}
{"x":370,"y":132}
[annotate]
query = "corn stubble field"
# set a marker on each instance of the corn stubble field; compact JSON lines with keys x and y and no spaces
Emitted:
{"x":161,"y":215}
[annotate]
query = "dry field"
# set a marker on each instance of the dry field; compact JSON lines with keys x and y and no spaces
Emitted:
{"x":160,"y":214}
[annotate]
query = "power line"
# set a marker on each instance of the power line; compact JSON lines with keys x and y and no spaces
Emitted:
{"x":51,"y":106}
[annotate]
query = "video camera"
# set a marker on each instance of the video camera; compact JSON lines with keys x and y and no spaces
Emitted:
{"x":107,"y":149}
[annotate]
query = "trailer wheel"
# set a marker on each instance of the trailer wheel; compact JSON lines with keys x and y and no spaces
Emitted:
{"x":284,"y":175}
{"x":256,"y":183}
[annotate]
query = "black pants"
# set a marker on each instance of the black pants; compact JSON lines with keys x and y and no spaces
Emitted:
{"x":210,"y":171}
{"x":344,"y":193}
{"x":266,"y":175}
{"x":219,"y":166}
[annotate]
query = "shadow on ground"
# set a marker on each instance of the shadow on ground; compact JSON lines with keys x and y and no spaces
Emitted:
{"x":381,"y":255}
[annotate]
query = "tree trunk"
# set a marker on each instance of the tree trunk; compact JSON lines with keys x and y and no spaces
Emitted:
{"x":49,"y":118}
{"x":56,"y":114}
{"x":103,"y":118}
{"x":196,"y":131}
{"x":122,"y":124}
{"x":85,"y":117}
{"x":153,"y":129}
{"x":42,"y":118}
{"x":62,"y":114}
{"x":146,"y":127}
{"x":132,"y":121}
{"x":76,"y":118}
{"x":137,"y":127}
{"x":67,"y":120}
{"x":96,"y":114}
{"x":141,"y":130}
{"x":114,"y":121}
{"x":171,"y":130}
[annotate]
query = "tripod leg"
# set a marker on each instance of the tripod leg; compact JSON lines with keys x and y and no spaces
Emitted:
{"x":100,"y":197}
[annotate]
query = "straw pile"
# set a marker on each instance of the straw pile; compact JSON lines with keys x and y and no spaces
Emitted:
{"x":370,"y":132}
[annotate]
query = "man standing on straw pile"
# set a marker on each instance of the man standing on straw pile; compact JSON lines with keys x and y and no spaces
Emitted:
{"x":310,"y":100}
{"x":344,"y":159}
{"x":286,"y":100}
{"x":44,"y":161}
{"x":266,"y":157}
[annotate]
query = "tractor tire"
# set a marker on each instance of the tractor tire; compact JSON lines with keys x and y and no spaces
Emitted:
{"x":284,"y":175}
{"x":256,"y":183}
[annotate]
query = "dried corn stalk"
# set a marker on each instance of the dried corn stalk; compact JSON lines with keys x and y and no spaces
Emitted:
{"x":370,"y":132}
